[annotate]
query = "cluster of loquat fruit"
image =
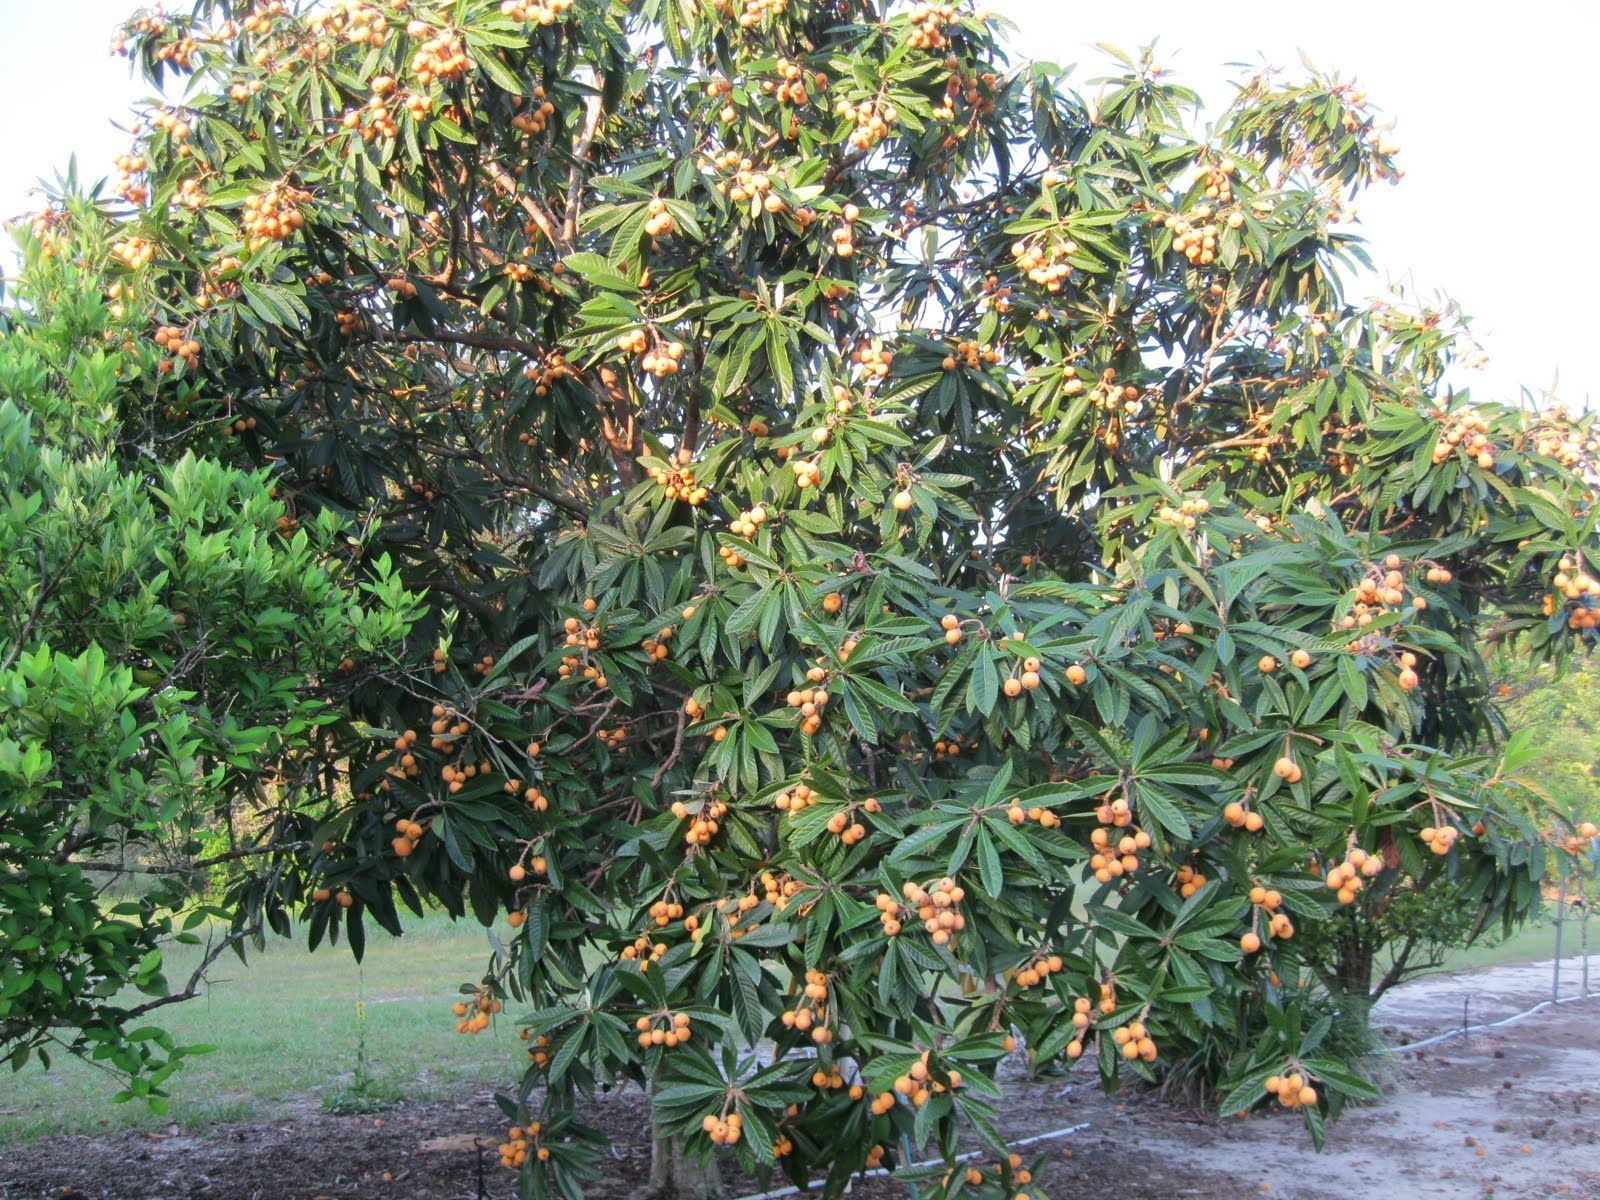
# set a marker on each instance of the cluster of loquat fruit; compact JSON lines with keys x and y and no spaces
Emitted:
{"x":342,"y":896}
{"x":354,"y":22}
{"x":750,"y":186}
{"x":1044,"y":816}
{"x":750,"y":13}
{"x":1038,"y":970}
{"x":726,"y":1129}
{"x":704,"y":819}
{"x":273,"y":215}
{"x":918,"y":1085}
{"x":965,"y":88}
{"x":536,"y":118}
{"x":535,"y":864}
{"x":1188,"y":513}
{"x":1114,"y":860}
{"x":1219,"y":181}
{"x":514,"y":1150}
{"x":810,"y":701}
{"x":1189,"y":880}
{"x":472,"y":1014}
{"x":778,"y":890}
{"x":1134,"y":1041}
{"x":970,"y":355}
{"x":1279,"y":925}
{"x":659,"y":223}
{"x":1383,"y":589}
{"x":677,"y":483}
{"x":1043,"y":260}
{"x":643,"y":952}
{"x":1195,"y":235}
{"x":539,"y":1052}
{"x":810,"y":1013}
{"x":1237,"y":814}
{"x":536,"y":12}
{"x":1467,"y":432}
{"x":1580,"y":840}
{"x":807,"y":473}
{"x":407,"y":834}
{"x":442,"y":54}
{"x":180,"y":347}
{"x":874,"y":360}
{"x":1024,"y":680}
{"x":928,"y":22}
{"x":405,"y":765}
{"x":666,"y":1029}
{"x":133,"y":252}
{"x":656,"y":644}
{"x":843,"y":236}
{"x":1439,"y":838}
{"x":937,"y":908}
{"x":795,"y":799}
{"x":664,"y":912}
{"x":1083,"y":1016}
{"x":846,"y":829}
{"x":1579,"y":594}
{"x":1555,"y":436}
{"x":791,"y":85}
{"x":1292,"y":1090}
{"x":748,"y":521}
{"x":542,"y":375}
{"x":874,"y":119}
{"x":1347,"y":878}
{"x":125,"y":182}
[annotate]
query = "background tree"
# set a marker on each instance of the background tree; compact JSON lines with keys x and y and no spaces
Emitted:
{"x":923,"y":560}
{"x":175,"y":653}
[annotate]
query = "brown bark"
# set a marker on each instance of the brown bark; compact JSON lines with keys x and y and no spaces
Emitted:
{"x":674,"y":1175}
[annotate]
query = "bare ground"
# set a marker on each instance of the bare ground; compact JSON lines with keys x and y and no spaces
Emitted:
{"x":1512,"y":1114}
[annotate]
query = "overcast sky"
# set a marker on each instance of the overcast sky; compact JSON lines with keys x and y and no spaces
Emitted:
{"x":1492,"y":102}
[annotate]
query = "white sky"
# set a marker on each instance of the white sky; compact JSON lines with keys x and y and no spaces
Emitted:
{"x":1493,"y":102}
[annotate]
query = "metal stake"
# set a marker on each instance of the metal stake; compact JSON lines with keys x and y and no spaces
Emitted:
{"x":1561,"y":917}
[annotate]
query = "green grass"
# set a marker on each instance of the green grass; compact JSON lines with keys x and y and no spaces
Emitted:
{"x":286,"y":1031}
{"x":1532,"y":943}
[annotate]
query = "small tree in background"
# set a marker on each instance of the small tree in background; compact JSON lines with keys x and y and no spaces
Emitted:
{"x":922,"y":561}
{"x":176,"y":655}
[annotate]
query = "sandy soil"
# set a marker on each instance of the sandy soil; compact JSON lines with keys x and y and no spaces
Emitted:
{"x":1512,"y":1114}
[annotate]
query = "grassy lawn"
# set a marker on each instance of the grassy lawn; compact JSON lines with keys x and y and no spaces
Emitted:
{"x":285,"y":1030}
{"x":1532,"y":943}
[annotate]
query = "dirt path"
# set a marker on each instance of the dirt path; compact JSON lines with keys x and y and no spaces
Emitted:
{"x":1513,"y":1114}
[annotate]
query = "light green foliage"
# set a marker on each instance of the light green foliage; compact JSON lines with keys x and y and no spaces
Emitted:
{"x":1559,"y":716}
{"x":166,"y":656}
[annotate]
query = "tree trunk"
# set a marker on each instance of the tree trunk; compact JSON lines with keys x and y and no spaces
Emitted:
{"x":674,"y":1175}
{"x":1353,"y":979}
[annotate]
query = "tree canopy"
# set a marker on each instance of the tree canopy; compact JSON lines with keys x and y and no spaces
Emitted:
{"x":921,"y":556}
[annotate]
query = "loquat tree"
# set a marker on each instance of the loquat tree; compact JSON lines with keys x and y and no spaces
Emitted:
{"x":924,"y":562}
